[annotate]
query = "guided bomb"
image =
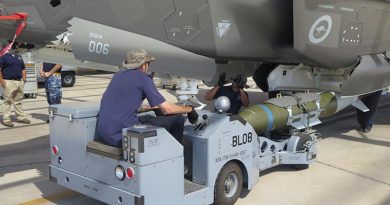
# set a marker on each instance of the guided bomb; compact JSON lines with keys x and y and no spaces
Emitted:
{"x":299,"y":111}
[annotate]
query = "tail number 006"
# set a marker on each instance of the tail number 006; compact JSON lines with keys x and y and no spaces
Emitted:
{"x":98,"y":47}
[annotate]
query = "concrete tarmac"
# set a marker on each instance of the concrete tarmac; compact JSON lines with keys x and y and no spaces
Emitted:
{"x":351,"y":167}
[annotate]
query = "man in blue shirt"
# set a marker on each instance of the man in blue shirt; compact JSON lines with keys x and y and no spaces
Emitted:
{"x":124,"y":96}
{"x":52,"y":74}
{"x":12,"y":79}
{"x":366,"y":119}
{"x":236,"y":94}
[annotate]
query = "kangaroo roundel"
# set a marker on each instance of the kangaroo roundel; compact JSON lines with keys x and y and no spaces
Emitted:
{"x":320,"y":30}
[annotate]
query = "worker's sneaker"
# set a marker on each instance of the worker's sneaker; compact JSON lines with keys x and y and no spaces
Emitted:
{"x":24,"y":121}
{"x":7,"y":123}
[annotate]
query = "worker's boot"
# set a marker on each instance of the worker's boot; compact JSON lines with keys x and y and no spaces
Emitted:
{"x":24,"y":121}
{"x":7,"y":123}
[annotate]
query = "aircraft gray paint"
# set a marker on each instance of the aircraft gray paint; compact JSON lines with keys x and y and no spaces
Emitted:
{"x":200,"y":39}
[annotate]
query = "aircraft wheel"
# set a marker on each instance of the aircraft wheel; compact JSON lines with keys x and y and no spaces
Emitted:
{"x":228,"y":185}
{"x":303,"y":138}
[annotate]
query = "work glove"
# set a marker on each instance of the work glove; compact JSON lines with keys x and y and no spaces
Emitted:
{"x":193,"y":116}
{"x":240,"y":80}
{"x":222,"y":79}
{"x":158,"y":112}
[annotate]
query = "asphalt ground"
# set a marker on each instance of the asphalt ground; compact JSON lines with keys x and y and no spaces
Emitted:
{"x":351,"y":167}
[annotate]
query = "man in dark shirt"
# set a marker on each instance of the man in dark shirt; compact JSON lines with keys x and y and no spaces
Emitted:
{"x":12,"y":79}
{"x":366,"y":119}
{"x":236,"y":94}
{"x":52,"y":74}
{"x":124,"y":96}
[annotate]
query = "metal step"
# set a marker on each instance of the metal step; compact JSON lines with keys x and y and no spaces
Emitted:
{"x":190,"y":187}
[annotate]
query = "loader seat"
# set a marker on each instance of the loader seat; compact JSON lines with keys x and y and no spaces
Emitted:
{"x":97,"y":146}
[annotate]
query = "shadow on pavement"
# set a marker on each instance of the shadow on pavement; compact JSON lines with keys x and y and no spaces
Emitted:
{"x":386,"y":201}
{"x":349,"y":123}
{"x":40,"y":116}
{"x":281,"y":168}
{"x":364,"y":140}
{"x":27,"y":162}
{"x":22,"y":156}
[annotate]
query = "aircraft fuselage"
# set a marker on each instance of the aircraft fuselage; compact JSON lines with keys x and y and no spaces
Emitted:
{"x":329,"y":34}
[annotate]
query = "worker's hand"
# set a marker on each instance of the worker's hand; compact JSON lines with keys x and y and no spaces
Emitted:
{"x":222,"y":79}
{"x":42,"y":74}
{"x":193,"y":116}
{"x":241,"y":81}
{"x":243,"y":85}
{"x":47,"y":74}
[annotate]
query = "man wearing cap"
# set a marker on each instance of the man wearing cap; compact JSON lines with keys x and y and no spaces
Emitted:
{"x":12,"y":79}
{"x":124,"y":96}
{"x":236,"y":94}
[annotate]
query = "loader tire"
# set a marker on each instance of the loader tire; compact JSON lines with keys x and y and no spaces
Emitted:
{"x":228,"y":185}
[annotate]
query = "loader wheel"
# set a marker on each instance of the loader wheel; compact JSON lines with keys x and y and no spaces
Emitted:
{"x":68,"y":78}
{"x":303,"y":138}
{"x":228,"y":185}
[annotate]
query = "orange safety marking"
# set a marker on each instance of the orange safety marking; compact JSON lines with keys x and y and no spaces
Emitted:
{"x":22,"y":25}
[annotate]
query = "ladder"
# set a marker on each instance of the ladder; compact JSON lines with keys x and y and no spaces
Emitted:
{"x":31,"y":85}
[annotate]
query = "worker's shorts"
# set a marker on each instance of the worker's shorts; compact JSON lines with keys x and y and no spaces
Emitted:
{"x":53,"y":89}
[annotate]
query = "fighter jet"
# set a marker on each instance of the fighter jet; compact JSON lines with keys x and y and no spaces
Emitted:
{"x":319,"y":45}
